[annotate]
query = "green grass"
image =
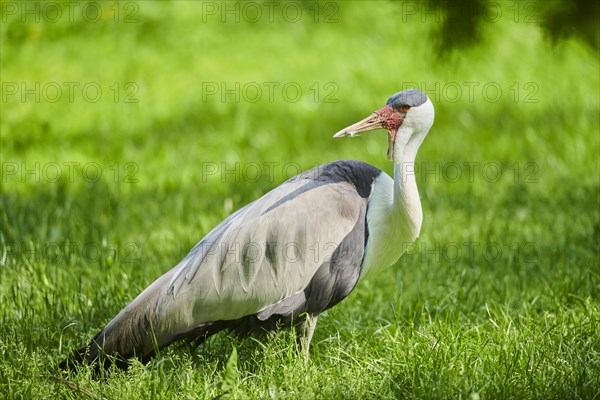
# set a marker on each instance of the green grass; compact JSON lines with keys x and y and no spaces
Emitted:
{"x":499,"y":298}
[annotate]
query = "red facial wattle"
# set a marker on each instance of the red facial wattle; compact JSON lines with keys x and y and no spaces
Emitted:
{"x":391,"y":119}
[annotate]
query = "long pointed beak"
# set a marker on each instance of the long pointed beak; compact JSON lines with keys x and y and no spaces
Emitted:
{"x":373,"y":121}
{"x":385,"y":117}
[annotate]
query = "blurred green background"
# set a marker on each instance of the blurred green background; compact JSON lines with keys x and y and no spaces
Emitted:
{"x":130,"y":129}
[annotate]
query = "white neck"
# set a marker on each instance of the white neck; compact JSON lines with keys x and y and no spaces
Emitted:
{"x":394,"y":215}
{"x":406,"y":207}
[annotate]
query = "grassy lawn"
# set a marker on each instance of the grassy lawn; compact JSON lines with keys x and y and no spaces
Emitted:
{"x":129,"y":130}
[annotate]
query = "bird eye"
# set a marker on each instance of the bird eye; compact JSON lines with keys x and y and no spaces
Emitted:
{"x":404,"y":108}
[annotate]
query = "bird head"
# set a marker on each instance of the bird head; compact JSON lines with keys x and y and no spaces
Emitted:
{"x":407,"y":116}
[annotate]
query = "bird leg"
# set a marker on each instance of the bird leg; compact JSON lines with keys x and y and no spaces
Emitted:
{"x":305,"y":333}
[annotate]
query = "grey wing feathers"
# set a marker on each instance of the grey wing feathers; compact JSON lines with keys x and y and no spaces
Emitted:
{"x":258,"y":257}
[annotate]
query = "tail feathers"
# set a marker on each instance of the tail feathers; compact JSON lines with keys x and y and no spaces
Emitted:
{"x":128,"y":335}
{"x":103,"y":351}
{"x":131,"y":334}
{"x":93,"y":354}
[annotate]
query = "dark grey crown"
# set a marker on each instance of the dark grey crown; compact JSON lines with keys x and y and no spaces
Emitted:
{"x":410,"y":97}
